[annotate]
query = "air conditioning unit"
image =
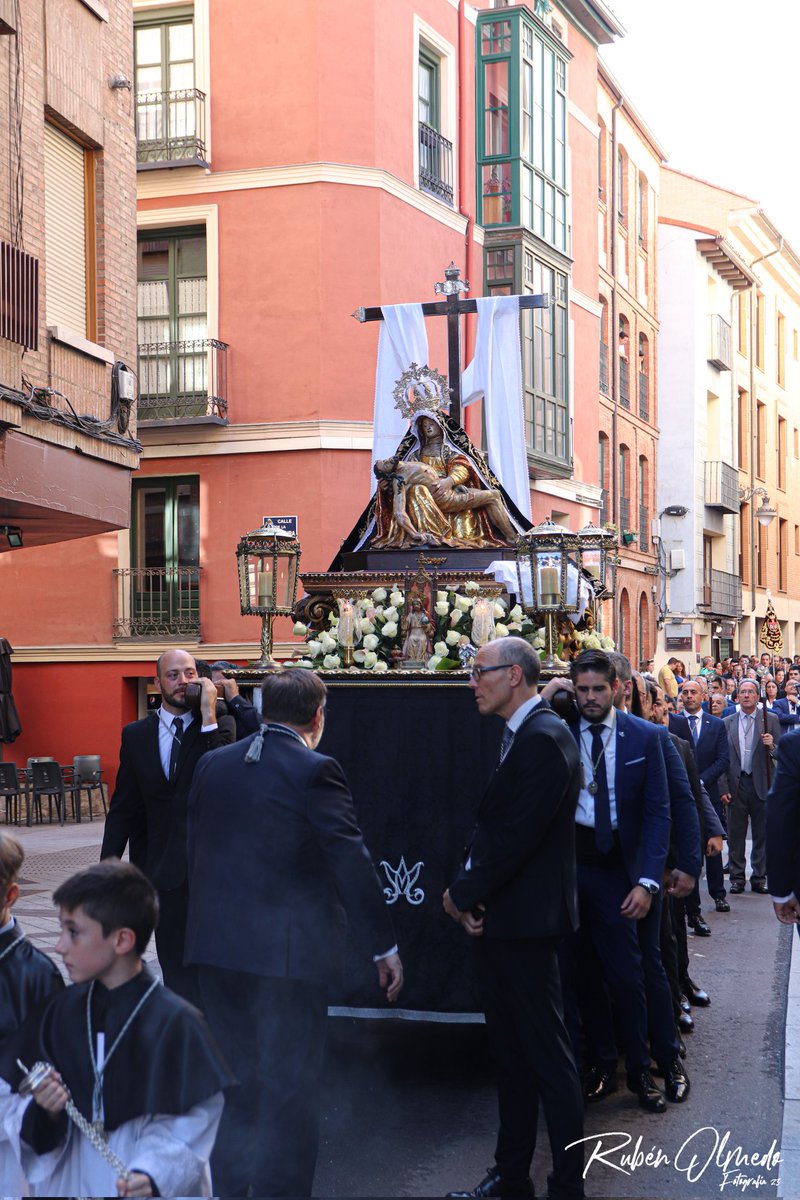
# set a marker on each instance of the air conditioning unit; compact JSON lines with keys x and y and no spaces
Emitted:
{"x":677,"y":559}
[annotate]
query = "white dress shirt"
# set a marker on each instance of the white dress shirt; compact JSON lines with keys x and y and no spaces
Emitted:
{"x":584,"y":814}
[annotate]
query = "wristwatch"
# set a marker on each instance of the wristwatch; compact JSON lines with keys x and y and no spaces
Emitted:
{"x":652,"y":888}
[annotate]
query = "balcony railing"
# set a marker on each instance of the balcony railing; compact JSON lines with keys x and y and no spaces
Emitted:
{"x":435,"y":163}
{"x":604,"y":368}
{"x":180,"y":380}
{"x":644,"y":396}
{"x":719,"y":342}
{"x":722,"y":487}
{"x":624,"y":383}
{"x":171,"y":127}
{"x":624,"y":514}
{"x":644,"y":528}
{"x":605,"y":507}
{"x":722,"y":594}
{"x":152,"y":602}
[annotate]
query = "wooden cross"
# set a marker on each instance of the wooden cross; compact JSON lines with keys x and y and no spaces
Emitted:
{"x":453,"y":308}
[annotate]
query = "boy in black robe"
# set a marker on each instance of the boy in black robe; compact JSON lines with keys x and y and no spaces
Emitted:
{"x":136,"y":1060}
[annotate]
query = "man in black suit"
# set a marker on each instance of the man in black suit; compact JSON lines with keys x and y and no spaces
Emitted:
{"x":709,"y":740}
{"x":275,"y":854}
{"x":783,"y":832}
{"x":515,"y":895}
{"x":148,"y":807}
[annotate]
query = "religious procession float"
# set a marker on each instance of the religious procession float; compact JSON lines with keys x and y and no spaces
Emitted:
{"x":443,"y":559}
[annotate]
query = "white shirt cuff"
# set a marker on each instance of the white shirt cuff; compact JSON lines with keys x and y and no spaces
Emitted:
{"x":783,"y":899}
{"x":380,"y":957}
{"x":209,"y":728}
{"x":650,"y":881}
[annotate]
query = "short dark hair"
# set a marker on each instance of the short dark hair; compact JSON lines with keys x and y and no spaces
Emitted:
{"x":203,"y":668}
{"x":222,"y":665}
{"x":593,"y":660}
{"x":116,"y":894}
{"x":12,"y":856}
{"x":292,"y":696}
{"x":514,"y":651}
{"x":653,"y":689}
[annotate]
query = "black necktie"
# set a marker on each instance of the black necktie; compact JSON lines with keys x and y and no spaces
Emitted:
{"x":177,"y":736}
{"x":505,"y":744}
{"x":603,"y":835}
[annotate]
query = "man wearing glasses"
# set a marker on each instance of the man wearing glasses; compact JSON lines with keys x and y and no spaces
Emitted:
{"x":515,"y":895}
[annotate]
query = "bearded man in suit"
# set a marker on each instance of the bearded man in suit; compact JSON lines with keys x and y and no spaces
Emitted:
{"x":515,"y":895}
{"x":148,"y":808}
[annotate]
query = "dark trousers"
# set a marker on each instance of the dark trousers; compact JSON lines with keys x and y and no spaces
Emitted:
{"x":670,"y":954}
{"x":170,"y":940}
{"x":615,"y":943}
{"x":660,"y":1010}
{"x":521,"y":991}
{"x":748,"y":805}
{"x":272,"y":1034}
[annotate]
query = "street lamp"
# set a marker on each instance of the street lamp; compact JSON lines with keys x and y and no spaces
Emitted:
{"x":765,"y":514}
{"x":268,"y":559}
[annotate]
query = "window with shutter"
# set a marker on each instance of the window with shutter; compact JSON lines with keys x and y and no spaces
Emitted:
{"x":67,"y":239}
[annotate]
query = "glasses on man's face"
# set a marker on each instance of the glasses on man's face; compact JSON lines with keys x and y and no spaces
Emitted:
{"x":477,"y":673}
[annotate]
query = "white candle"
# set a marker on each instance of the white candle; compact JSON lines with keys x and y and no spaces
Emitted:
{"x":264,"y":589}
{"x":549,"y":585}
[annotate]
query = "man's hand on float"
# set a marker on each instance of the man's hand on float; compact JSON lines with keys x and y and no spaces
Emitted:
{"x":230,"y":688}
{"x":208,"y":701}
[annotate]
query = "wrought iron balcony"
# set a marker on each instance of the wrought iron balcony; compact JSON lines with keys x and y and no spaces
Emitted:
{"x":624,"y":383}
{"x":722,"y":487}
{"x":183,"y":380}
{"x":644,"y":528}
{"x":152,"y":602}
{"x":435,"y":163}
{"x":605,"y":507}
{"x":719,"y":342}
{"x":644,"y":396}
{"x":171,"y":128}
{"x":624,"y":514}
{"x":722,"y":594}
{"x":604,"y":368}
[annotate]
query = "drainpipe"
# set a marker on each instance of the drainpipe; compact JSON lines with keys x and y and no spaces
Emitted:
{"x":754,"y":263}
{"x":613,"y":348}
{"x":469,"y":416}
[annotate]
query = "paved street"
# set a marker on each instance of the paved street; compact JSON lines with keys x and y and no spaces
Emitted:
{"x":409,"y":1107}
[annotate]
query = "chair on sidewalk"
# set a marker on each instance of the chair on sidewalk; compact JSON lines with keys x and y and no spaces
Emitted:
{"x":12,"y":791}
{"x":46,"y":779}
{"x":87,"y":777}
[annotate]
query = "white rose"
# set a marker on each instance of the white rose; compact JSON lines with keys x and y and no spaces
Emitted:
{"x":455,"y":616}
{"x":328,"y":643}
{"x":441,"y":597}
{"x":366,"y":626}
{"x":515,"y":626}
{"x":299,"y":629}
{"x":433,"y":662}
{"x":499,"y":611}
{"x":452,"y":637}
{"x":371,"y":642}
{"x":390,"y":629}
{"x":390,"y":614}
{"x":358,"y":656}
{"x":379,"y":595}
{"x":472,"y":585}
{"x":500,"y":631}
{"x":331,"y":661}
{"x":305,"y":662}
{"x":442,"y":608}
{"x":365,"y":604}
{"x":463,"y":603}
{"x":377,"y":612}
{"x":370,"y":659}
{"x":314,"y":648}
{"x":607,"y":643}
{"x":397,"y":599}
{"x":380,"y":667}
{"x":515,"y":614}
{"x":441,"y":649}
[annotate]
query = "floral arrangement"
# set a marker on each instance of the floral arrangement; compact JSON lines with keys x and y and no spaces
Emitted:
{"x":379,"y":636}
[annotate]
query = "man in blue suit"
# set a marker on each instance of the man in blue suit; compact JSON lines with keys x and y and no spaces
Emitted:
{"x":621,"y":838}
{"x":787,"y":710}
{"x":709,"y":739}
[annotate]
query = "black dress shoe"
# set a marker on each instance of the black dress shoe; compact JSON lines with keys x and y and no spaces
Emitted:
{"x":601,"y":1083}
{"x":685,"y":1023}
{"x":685,"y":1005}
{"x":681,"y":1045}
{"x":642,"y":1084}
{"x":760,"y":888}
{"x":676,"y":1081}
{"x":698,"y":925}
{"x":722,"y":906}
{"x":736,"y":887}
{"x":495,"y":1185}
{"x":695,"y":995}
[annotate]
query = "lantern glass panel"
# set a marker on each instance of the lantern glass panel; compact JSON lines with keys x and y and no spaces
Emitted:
{"x":548,"y":579}
{"x":592,"y":562}
{"x":264,"y":581}
{"x":284,"y":579}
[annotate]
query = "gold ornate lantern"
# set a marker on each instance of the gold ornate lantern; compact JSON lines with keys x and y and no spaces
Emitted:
{"x":268,"y":559}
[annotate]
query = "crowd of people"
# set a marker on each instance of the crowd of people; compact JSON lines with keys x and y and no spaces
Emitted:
{"x":579,"y":888}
